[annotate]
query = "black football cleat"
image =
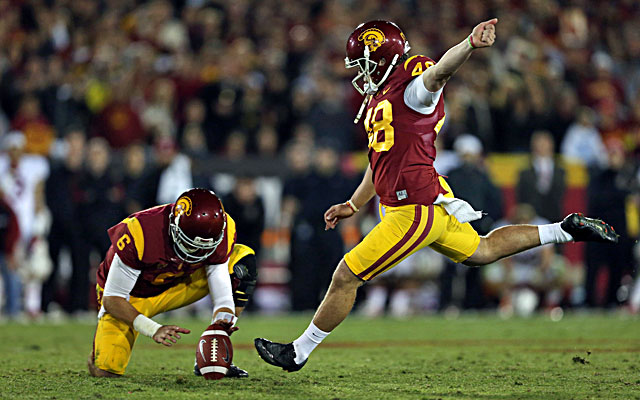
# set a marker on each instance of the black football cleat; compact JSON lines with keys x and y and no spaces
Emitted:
{"x":235,"y":372}
{"x":232,"y":372}
{"x":278,"y":354}
{"x":585,"y":229}
{"x":196,"y":370}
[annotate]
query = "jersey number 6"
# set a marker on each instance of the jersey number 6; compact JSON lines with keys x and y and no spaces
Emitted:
{"x":379,"y":130}
{"x":123,"y":241}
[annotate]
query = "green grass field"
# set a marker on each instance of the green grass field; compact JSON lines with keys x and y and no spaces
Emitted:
{"x":473,"y":357}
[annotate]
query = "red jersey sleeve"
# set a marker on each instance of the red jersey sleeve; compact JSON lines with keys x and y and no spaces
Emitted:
{"x":123,"y":241}
{"x":141,"y":239}
{"x":415,"y":66}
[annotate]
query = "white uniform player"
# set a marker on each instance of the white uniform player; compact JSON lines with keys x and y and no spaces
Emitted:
{"x":22,"y":178}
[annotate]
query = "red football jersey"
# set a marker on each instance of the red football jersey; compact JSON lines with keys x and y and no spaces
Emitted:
{"x":402,"y":140}
{"x":142,"y":241}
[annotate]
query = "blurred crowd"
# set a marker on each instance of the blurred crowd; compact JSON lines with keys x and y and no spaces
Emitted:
{"x":108,"y":107}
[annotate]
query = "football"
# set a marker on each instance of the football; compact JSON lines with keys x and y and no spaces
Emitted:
{"x":214,"y":353}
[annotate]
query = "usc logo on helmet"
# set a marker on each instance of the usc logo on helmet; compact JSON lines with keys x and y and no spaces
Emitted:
{"x":373,"y":38}
{"x":183,"y":205}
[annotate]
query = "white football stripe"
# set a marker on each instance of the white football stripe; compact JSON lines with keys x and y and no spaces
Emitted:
{"x":215,"y":332}
{"x":206,"y":370}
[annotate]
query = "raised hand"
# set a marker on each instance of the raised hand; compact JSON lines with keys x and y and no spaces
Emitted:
{"x":484,"y":34}
{"x":169,"y":334}
{"x":334,"y":214}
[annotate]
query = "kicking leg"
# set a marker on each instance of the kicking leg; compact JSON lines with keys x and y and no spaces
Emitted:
{"x":511,"y":239}
{"x":504,"y":242}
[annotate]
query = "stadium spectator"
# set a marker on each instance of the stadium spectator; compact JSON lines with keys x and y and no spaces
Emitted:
{"x":543,"y":184}
{"x":247,"y":209}
{"x":37,"y":130}
{"x":267,"y":142}
{"x":118,"y":122}
{"x":327,"y":115}
{"x":583,"y":141}
{"x":22,"y":178}
{"x":65,"y":192}
{"x":471,"y":182}
{"x":159,"y":114}
{"x":101,"y":205}
{"x":173,"y":170}
{"x":609,"y":191}
{"x":9,"y":238}
{"x":314,"y":251}
{"x":137,"y":193}
{"x":194,"y":118}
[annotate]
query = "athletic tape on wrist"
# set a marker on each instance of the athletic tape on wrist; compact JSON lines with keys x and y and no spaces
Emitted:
{"x":226,"y":316}
{"x":353,"y":206}
{"x":146,"y":325}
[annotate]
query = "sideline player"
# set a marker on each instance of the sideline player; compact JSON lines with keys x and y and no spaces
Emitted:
{"x":404,"y":112}
{"x":164,"y":258}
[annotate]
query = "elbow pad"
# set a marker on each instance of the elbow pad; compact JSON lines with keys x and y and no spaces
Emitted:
{"x":244,"y":279}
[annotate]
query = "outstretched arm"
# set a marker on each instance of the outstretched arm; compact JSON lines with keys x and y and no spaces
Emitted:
{"x":483,"y":35}
{"x":361,"y":196}
{"x":120,"y":282}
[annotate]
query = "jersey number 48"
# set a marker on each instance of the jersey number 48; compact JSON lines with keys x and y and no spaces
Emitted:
{"x":378,"y":126}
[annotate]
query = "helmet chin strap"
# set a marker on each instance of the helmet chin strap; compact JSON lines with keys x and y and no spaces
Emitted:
{"x":364,"y":103}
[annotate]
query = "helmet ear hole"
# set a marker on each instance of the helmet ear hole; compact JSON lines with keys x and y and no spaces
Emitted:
{"x":382,"y":62}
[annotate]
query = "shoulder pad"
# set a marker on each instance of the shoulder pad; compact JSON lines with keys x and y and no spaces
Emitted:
{"x":127,"y":239}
